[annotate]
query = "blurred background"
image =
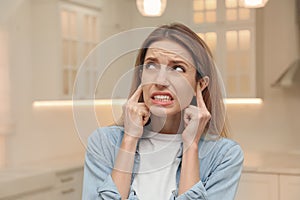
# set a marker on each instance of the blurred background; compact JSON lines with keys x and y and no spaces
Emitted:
{"x":44,"y":42}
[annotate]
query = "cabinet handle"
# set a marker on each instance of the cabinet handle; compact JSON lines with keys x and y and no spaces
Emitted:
{"x":67,"y":191}
{"x":67,"y":179}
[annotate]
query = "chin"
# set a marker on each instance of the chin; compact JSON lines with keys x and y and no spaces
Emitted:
{"x":161,"y":111}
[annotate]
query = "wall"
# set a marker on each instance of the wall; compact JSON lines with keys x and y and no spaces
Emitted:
{"x":5,"y":107}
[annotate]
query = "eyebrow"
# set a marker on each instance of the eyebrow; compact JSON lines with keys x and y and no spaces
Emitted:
{"x":180,"y":62}
{"x":154,"y":59}
{"x":151,"y":59}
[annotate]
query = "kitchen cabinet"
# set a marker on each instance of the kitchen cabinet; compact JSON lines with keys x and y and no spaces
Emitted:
{"x":258,"y":186}
{"x":69,"y":185}
{"x":37,"y":195}
{"x":229,"y":30}
{"x":64,"y":184}
{"x":289,"y":187}
{"x":63,"y":34}
{"x":264,"y":186}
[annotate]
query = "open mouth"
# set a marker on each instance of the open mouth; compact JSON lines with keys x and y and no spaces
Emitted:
{"x":162,"y":98}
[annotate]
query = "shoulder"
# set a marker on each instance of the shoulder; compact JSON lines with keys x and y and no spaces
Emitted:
{"x":105,"y":137}
{"x":221,"y":150}
{"x":109,"y":132}
{"x":230,"y":149}
{"x":225,"y":145}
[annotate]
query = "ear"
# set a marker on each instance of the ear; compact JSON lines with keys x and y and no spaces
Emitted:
{"x":204,"y":82}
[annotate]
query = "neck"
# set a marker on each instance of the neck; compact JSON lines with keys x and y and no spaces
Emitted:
{"x":167,"y":124}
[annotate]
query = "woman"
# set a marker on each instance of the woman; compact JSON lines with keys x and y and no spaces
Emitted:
{"x":172,"y":141}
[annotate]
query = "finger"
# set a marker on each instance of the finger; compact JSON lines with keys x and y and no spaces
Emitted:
{"x":144,"y":113}
{"x":199,"y":97}
{"x":142,"y":110}
{"x":146,"y":118}
{"x":187,"y":116}
{"x":186,"y":120}
{"x":136,"y":95}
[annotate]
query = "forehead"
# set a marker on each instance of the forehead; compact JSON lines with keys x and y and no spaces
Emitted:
{"x":169,"y":49}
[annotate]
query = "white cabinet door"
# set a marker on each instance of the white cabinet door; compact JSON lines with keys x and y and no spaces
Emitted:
{"x":255,"y":186}
{"x":289,"y":187}
{"x":67,"y":193}
{"x":63,"y":34}
{"x":69,"y":185}
{"x":37,"y":195}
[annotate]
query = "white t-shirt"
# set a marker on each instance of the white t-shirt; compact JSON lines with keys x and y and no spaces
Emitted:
{"x":156,"y":178}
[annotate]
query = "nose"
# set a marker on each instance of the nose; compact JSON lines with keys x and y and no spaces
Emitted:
{"x":162,"y":78}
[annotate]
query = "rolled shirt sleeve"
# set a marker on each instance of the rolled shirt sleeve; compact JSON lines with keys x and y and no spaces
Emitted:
{"x":99,"y":159}
{"x":222,"y":182}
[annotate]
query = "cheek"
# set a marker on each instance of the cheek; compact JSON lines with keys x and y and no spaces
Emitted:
{"x":146,"y":79}
{"x":146,"y":94}
{"x":145,"y":82}
{"x":185,"y":90}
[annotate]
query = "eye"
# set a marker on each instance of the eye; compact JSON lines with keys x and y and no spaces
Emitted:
{"x":150,"y":65}
{"x":178,"y":68}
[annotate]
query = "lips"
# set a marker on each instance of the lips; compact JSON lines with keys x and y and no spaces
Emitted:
{"x":162,"y":98}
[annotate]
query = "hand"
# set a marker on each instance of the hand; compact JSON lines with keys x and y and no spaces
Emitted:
{"x":195,"y":120}
{"x":136,"y":115}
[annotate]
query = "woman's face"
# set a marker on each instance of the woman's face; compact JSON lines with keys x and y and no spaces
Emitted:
{"x":168,"y":78}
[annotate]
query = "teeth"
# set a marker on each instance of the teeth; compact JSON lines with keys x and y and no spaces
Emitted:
{"x":162,"y":97}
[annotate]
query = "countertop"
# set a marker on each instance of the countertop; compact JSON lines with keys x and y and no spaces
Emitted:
{"x":273,"y":163}
{"x":32,"y":177}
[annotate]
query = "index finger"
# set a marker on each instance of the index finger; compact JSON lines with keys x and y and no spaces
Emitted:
{"x":199,"y":97}
{"x":136,"y":95}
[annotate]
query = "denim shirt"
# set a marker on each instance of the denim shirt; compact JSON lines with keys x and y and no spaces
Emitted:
{"x":220,"y":168}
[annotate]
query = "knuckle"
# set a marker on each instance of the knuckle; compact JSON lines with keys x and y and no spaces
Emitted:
{"x":199,"y":115}
{"x":207,"y":115}
{"x":203,"y":114}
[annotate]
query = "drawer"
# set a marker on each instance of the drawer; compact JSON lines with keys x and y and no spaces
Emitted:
{"x":69,"y":178}
{"x":72,"y":192}
{"x":69,"y":185}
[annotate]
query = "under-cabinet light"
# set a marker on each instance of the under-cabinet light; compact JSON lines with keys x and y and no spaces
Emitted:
{"x":243,"y":101}
{"x":77,"y":102}
{"x":99,"y":102}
